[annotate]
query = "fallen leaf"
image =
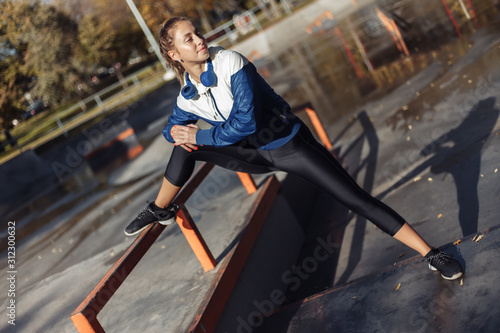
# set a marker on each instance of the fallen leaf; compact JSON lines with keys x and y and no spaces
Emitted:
{"x":462,"y":282}
{"x":399,"y":285}
{"x":496,"y":170}
{"x":405,"y":107}
{"x":416,"y":179}
{"x":440,"y":216}
{"x":457,"y":242}
{"x":478,"y":238}
{"x":402,"y":254}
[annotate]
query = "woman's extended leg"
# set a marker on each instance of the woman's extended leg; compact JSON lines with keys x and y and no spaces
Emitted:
{"x":306,"y":158}
{"x":408,"y":236}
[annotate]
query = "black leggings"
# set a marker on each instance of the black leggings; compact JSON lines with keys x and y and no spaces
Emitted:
{"x":302,"y":156}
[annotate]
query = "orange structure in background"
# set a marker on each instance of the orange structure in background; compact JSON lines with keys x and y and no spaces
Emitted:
{"x":349,"y":52}
{"x":393,"y":30}
{"x":255,"y":55}
{"x":319,"y":21}
{"x":327,"y":15}
{"x":318,"y":127}
{"x":452,"y":18}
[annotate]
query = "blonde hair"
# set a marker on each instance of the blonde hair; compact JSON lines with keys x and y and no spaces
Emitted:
{"x":166,"y":40}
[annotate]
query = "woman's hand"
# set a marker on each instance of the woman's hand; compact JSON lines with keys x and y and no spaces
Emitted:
{"x":185,"y":136}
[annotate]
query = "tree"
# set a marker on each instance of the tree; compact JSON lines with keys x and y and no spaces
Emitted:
{"x":97,"y":40}
{"x":155,"y":13}
{"x":128,"y":36}
{"x":14,"y":78}
{"x":38,"y":43}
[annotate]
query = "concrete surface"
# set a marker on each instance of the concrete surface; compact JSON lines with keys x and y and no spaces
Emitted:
{"x":429,"y":148}
{"x":407,"y":298}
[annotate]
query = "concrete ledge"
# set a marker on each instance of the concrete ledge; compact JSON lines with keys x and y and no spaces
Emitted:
{"x":407,"y":298}
{"x":262,"y":283}
{"x":219,"y":293}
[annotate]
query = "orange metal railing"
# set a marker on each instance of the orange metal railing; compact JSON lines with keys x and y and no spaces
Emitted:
{"x":85,"y":316}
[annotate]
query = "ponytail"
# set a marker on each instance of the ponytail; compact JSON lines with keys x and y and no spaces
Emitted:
{"x":166,"y":40}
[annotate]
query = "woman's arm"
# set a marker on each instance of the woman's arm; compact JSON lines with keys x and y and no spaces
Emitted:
{"x":178,"y":118}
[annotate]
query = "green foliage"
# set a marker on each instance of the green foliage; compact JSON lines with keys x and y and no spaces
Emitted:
{"x":52,"y":49}
{"x":50,"y":54}
{"x":97,"y":39}
{"x":37,"y":56}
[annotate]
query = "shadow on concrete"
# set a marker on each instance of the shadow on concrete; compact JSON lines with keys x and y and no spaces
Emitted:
{"x":370,"y":163}
{"x":324,"y":219}
{"x":458,"y":153}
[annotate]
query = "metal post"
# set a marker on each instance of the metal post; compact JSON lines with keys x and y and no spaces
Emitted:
{"x":149,"y":36}
{"x":61,"y":127}
{"x":286,"y":7}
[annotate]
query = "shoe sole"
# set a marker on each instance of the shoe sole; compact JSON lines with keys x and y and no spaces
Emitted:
{"x":454,"y":277}
{"x":169,"y":221}
{"x":135,"y":232}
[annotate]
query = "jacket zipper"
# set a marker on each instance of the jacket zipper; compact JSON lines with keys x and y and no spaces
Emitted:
{"x":216,"y":108}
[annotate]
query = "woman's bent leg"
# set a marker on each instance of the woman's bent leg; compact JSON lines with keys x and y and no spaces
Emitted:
{"x":179,"y":170}
{"x":235,"y":157}
{"x":167,"y":193}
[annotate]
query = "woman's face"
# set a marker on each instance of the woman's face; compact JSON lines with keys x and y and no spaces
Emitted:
{"x":189,"y":44}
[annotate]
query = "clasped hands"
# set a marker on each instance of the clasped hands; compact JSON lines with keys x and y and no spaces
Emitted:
{"x":185,"y":136}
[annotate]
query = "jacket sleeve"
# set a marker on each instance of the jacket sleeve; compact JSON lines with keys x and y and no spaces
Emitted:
{"x":246,"y":101}
{"x":178,"y":117}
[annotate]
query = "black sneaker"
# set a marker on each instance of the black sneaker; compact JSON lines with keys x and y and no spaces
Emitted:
{"x":449,"y":268}
{"x":151,"y":213}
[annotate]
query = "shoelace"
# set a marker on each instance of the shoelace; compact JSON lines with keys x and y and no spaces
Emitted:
{"x":440,"y":259}
{"x":143,"y":212}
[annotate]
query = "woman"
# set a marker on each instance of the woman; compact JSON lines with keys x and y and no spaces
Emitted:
{"x":252,"y":131}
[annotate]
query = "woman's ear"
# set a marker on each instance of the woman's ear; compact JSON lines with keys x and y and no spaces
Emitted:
{"x":172,"y":55}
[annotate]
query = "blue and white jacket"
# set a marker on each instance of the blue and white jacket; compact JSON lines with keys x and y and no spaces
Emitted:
{"x":241,"y":105}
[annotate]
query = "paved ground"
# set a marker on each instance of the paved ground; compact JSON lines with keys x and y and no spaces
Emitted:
{"x":406,"y":298}
{"x":433,"y":156}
